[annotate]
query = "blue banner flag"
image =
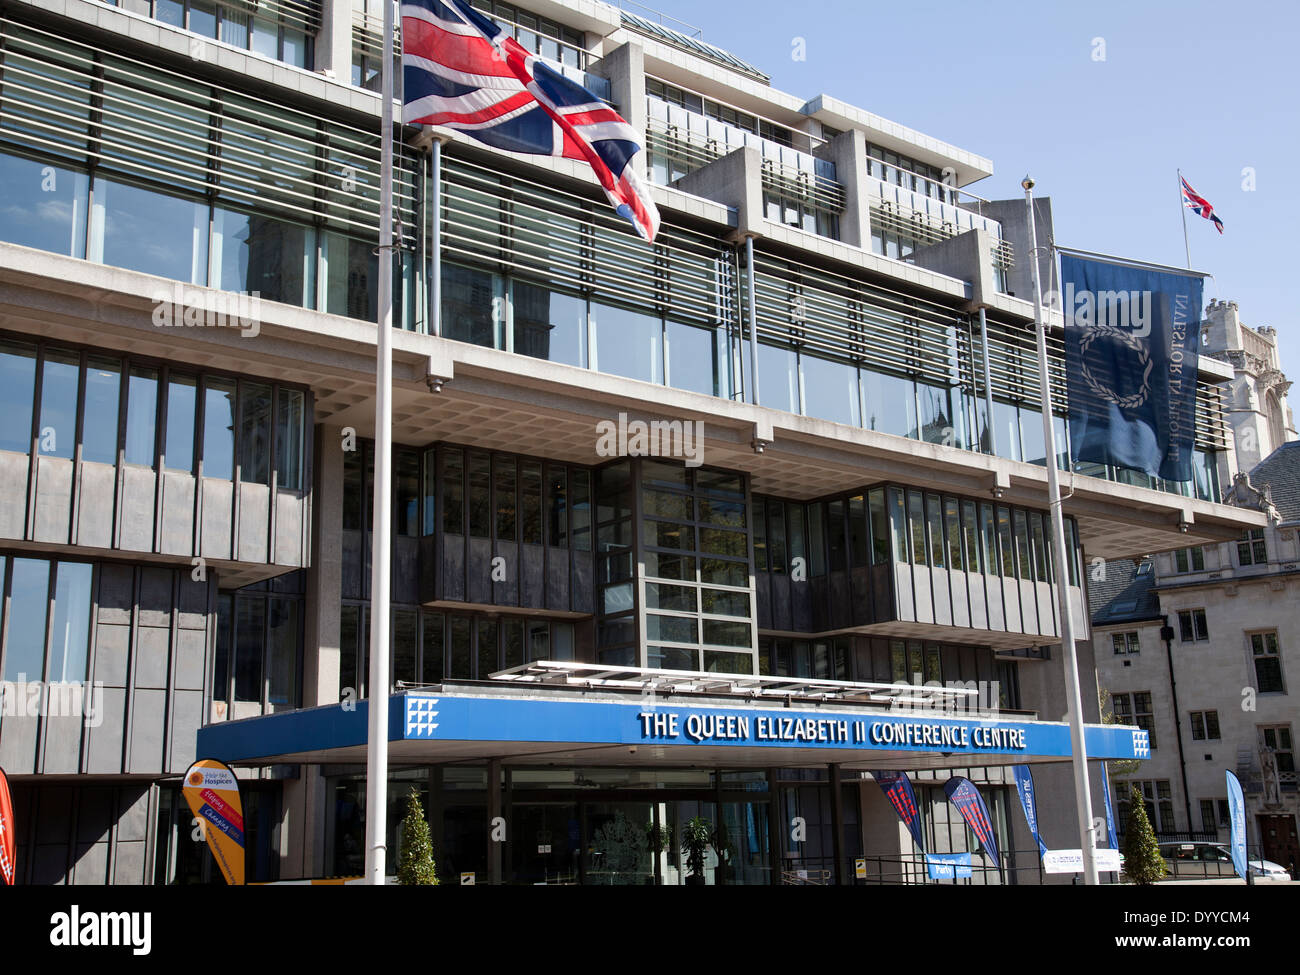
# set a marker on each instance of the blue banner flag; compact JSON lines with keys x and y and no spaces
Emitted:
{"x":1025,"y":789}
{"x":1110,"y":810}
{"x":898,"y":790}
{"x":1132,"y":336}
{"x":1237,"y":818}
{"x":963,"y":794}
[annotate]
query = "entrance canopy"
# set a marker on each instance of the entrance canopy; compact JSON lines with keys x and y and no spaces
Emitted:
{"x":549,"y":716}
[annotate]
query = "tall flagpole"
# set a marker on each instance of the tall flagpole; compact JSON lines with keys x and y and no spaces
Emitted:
{"x":1082,"y":790}
{"x":1182,"y":205}
{"x":380,"y":569}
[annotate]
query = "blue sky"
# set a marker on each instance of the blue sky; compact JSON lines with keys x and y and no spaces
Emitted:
{"x":1211,"y":88}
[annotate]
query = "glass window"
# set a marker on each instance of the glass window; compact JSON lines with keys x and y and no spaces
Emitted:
{"x":453,"y":492}
{"x":938,"y":422}
{"x":289,"y":439}
{"x":531,"y":502}
{"x":488,"y":651}
{"x":1251,"y":550}
{"x":469,"y":305}
{"x":17,"y":389}
{"x":151,"y":232}
{"x":44,"y":206}
{"x":549,"y":324}
{"x":1007,"y":430}
{"x":1005,"y":542}
{"x":480,"y":497}
{"x":934,"y":518}
{"x":696,"y":359}
{"x":266,"y":37}
{"x":283,"y":654}
{"x":406,"y":482}
{"x":1268,"y":662}
{"x":219,"y":429}
{"x":59,"y":380}
{"x":1031,"y":435}
{"x":830,"y":390}
{"x":99,"y":418}
{"x":506,"y":479}
{"x":778,"y":378}
{"x":234,"y":27}
{"x":557,"y":507}
{"x":628,"y":343}
{"x":432,"y":651}
{"x":952,"y":524}
{"x":916,"y":519}
{"x":1022,"y":545}
{"x":250,"y":627}
{"x":141,"y":415}
{"x":1192,"y":625}
{"x":254,"y":433}
{"x":181,"y":400}
{"x":254,"y":254}
{"x":25,"y":645}
{"x":352,"y":278}
{"x":891,"y":404}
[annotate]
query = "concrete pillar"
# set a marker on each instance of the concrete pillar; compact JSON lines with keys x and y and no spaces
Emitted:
{"x":735,"y":180}
{"x":625,"y":68}
{"x":967,"y":256}
{"x":849,"y":153}
{"x":494,"y":810}
{"x":334,"y":42}
{"x":1014,"y":219}
{"x":325,"y":576}
{"x":837,"y":824}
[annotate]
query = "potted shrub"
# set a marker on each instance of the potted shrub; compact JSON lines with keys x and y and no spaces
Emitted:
{"x":697,"y":835}
{"x":415,"y":865}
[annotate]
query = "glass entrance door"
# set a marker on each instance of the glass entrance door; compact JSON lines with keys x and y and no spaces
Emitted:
{"x":546,"y":843}
{"x":744,"y":838}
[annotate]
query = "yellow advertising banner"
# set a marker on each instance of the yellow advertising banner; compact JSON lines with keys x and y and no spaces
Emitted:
{"x":212,"y":792}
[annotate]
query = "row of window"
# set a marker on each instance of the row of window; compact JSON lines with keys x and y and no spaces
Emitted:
{"x":428,"y":647}
{"x":692,"y":102}
{"x":149,"y":415}
{"x":192,"y":241}
{"x":259,"y":648}
{"x":260,"y":31}
{"x":1252,"y":549}
{"x":920,"y":528}
{"x":504,"y":497}
{"x":1265,"y":654}
{"x":910,"y":174}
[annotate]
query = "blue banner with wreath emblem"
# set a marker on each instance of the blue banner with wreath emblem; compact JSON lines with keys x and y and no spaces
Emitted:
{"x":1132,"y":336}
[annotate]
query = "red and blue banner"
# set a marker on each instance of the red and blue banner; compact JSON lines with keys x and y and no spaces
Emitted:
{"x":1025,"y":790}
{"x":212,"y":792}
{"x":1132,"y":338}
{"x":898,"y":790}
{"x":963,"y":794}
{"x":462,"y":71}
{"x":8,"y":835}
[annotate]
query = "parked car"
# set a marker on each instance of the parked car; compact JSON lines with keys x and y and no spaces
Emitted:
{"x":1189,"y":860}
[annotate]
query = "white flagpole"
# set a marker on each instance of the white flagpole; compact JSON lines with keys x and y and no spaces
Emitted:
{"x":1082,"y":790}
{"x":380,"y":570}
{"x":1182,"y":205}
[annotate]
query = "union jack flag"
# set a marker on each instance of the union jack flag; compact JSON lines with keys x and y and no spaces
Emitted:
{"x":1199,"y":204}
{"x":462,"y":71}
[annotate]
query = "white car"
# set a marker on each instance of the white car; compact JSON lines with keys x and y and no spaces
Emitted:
{"x":1215,"y":859}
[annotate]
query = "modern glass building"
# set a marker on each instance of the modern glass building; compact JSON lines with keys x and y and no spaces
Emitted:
{"x":636,"y":579}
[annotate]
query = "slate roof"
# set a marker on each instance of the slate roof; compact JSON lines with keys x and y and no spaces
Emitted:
{"x":1125,"y":594}
{"x":1280,"y":470}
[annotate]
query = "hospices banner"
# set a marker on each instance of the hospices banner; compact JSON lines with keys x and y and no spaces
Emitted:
{"x":1132,"y":336}
{"x":212,"y":791}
